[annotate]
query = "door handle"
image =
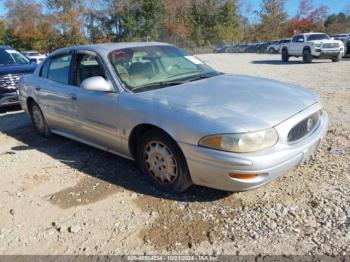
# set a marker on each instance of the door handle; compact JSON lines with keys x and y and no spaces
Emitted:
{"x":37,"y":88}
{"x":73,"y":96}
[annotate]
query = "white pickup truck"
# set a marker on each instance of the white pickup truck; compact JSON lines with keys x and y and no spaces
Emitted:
{"x":313,"y":45}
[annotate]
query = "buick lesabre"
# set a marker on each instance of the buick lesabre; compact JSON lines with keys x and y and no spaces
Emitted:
{"x":182,"y":121}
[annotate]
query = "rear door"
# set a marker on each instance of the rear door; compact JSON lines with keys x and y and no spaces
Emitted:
{"x":97,"y":111}
{"x":55,"y":92}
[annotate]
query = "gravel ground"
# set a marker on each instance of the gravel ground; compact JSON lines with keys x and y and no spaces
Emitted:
{"x":62,"y":197}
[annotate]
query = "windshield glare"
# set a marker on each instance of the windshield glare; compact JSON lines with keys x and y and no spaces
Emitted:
{"x":12,"y":57}
{"x":317,"y":37}
{"x":140,"y":67}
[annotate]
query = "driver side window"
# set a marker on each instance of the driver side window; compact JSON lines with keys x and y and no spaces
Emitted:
{"x":298,"y":39}
{"x":88,"y":66}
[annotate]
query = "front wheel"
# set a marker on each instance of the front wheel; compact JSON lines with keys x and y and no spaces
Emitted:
{"x":337,"y":58}
{"x":161,"y":159}
{"x":307,"y":56}
{"x":285,"y":56}
{"x":39,"y":120}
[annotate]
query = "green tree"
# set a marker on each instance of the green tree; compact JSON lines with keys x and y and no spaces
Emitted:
{"x":273,"y":18}
{"x":204,"y":15}
{"x":337,"y":23}
{"x":69,"y":21}
{"x":151,"y":19}
{"x":2,"y":31}
{"x":227,"y":25}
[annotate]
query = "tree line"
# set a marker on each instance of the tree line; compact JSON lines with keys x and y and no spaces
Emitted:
{"x":49,"y":24}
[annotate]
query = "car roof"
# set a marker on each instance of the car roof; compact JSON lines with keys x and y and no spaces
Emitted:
{"x":6,"y":46}
{"x":108,"y":47}
{"x":315,"y":33}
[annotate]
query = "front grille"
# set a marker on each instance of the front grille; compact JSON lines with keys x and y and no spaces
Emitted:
{"x":9,"y":81}
{"x":304,"y":127}
{"x":330,"y":45}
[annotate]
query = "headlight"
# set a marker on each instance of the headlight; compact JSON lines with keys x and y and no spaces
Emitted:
{"x":241,"y":142}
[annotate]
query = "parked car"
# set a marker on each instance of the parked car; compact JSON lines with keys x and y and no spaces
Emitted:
{"x":274,"y":46}
{"x":344,"y":35}
{"x":345,"y":38}
{"x":221,"y":48}
{"x":241,"y":48}
{"x":313,"y":45}
{"x":262,"y":48}
{"x":184,"y":122}
{"x":34,"y":56}
{"x":251,"y":48}
{"x":13,"y":65}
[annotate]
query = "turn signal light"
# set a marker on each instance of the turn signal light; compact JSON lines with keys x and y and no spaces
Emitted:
{"x":242,"y":176}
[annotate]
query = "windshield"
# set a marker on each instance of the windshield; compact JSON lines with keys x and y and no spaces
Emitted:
{"x":12,"y":57}
{"x":150,"y":67}
{"x":317,"y":37}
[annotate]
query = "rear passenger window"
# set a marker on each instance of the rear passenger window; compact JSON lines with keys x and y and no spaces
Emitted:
{"x":59,"y":69}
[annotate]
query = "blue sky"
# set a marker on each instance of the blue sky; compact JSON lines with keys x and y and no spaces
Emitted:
{"x":335,"y":6}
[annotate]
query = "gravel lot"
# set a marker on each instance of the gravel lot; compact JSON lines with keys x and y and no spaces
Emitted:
{"x":62,"y":197}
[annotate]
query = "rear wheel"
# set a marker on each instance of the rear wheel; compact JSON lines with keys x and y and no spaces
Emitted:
{"x":307,"y":57}
{"x":163,"y":162}
{"x":285,"y":56}
{"x":39,"y":120}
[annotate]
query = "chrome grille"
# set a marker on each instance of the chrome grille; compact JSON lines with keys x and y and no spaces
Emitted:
{"x":330,"y":45}
{"x":304,"y":127}
{"x":9,"y":81}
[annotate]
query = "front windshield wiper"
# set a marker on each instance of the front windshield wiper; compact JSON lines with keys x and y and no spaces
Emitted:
{"x":199,"y":77}
{"x":159,"y":84}
{"x":162,"y":84}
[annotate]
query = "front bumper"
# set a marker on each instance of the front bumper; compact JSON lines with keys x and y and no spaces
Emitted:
{"x":8,"y":99}
{"x":328,"y":53}
{"x":211,"y":167}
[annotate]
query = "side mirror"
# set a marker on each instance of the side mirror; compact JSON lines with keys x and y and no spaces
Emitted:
{"x":32,"y":60}
{"x":97,"y":83}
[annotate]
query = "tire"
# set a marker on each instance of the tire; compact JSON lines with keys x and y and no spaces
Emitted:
{"x":337,"y":58}
{"x":307,"y":57}
{"x":285,"y":56}
{"x":39,"y":120}
{"x":163,"y":162}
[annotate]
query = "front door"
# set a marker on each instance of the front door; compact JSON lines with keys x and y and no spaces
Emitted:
{"x":97,"y":110}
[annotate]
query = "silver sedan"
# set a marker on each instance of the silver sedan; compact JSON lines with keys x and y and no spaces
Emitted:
{"x":182,"y":121}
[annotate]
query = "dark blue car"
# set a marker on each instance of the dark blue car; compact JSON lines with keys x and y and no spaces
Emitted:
{"x":13,"y":65}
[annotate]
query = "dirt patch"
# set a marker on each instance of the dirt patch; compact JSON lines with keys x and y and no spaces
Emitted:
{"x":88,"y":190}
{"x":183,"y":225}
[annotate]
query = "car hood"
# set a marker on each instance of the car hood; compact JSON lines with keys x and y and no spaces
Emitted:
{"x":17,"y":69}
{"x":247,"y":103}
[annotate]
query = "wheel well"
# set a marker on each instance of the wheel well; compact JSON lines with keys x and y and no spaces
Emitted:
{"x":306,"y":48}
{"x":136,"y":134}
{"x":30,"y":101}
